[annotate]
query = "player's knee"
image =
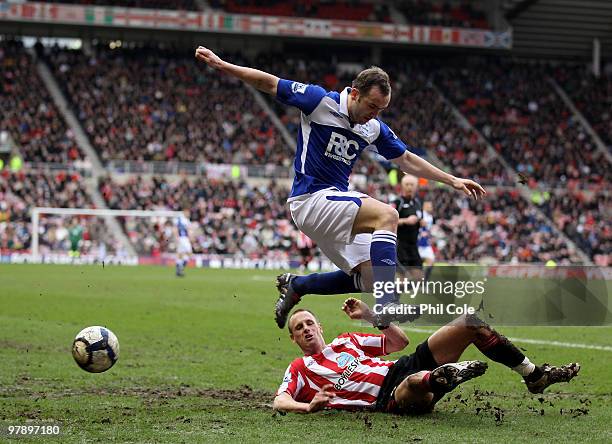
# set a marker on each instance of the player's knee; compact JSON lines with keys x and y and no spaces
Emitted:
{"x":471,"y":321}
{"x":411,"y":395}
{"x":416,"y":379}
{"x":388,"y":219}
{"x":475,"y":327}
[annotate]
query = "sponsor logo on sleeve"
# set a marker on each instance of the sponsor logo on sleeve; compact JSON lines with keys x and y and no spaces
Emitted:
{"x":298,"y":88}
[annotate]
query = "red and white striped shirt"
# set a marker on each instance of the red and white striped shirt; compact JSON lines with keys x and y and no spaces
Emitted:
{"x":349,"y":363}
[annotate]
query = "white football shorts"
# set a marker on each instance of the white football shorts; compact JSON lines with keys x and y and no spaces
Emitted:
{"x":327,"y":217}
{"x":184,"y":246}
{"x":427,"y":253}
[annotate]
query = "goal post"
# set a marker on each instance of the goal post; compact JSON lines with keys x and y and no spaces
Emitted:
{"x":102,"y":212}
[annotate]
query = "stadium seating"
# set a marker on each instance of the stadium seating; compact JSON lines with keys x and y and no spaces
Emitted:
{"x":186,"y":5}
{"x":518,"y":111}
{"x":424,"y":120}
{"x":143,"y":104}
{"x":28,"y":113}
{"x":147,"y":104}
{"x":592,"y":96}
{"x":228,"y":217}
{"x":234,"y":218}
{"x":321,"y":9}
{"x":436,"y":13}
{"x":585,"y":218}
{"x":503,"y":227}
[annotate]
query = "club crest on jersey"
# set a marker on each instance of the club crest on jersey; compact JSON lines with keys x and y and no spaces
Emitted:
{"x":298,"y":88}
{"x":342,"y":149}
{"x":366,"y":130}
{"x":343,"y":359}
{"x":349,"y":363}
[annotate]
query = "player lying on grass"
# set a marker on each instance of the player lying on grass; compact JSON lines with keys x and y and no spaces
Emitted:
{"x":347,"y":373}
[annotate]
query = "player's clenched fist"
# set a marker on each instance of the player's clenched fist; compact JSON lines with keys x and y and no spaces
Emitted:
{"x":321,"y":399}
{"x":210,"y":58}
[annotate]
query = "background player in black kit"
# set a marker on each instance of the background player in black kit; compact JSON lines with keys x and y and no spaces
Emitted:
{"x":410,"y":212}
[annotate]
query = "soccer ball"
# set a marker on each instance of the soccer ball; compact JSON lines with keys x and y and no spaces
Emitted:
{"x":95,"y":349}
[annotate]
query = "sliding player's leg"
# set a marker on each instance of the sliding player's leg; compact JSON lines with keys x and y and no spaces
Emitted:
{"x":416,"y":382}
{"x":420,"y":392}
{"x":449,"y":342}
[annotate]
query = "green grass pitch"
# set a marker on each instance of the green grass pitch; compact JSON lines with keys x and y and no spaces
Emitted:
{"x":201,"y":358}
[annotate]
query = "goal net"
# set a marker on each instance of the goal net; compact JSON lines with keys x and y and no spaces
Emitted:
{"x":86,"y":235}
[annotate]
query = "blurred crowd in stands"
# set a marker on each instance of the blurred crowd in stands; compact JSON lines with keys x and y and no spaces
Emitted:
{"x":29,"y":115}
{"x":503,"y":227}
{"x":592,"y":96}
{"x":145,"y":104}
{"x":462,"y":14}
{"x":321,"y":9}
{"x":585,"y":218}
{"x":516,"y":108}
{"x":150,"y":105}
{"x":228,"y":217}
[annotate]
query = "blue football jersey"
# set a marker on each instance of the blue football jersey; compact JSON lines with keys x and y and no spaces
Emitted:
{"x":328,"y":145}
{"x":182,"y":225}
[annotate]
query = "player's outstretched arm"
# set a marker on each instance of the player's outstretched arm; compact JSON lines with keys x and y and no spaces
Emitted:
{"x":258,"y":79}
{"x":285,"y":403}
{"x":413,"y":164}
{"x":395,"y":337}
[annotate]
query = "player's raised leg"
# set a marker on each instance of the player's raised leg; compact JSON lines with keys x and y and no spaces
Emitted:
{"x":381,"y":220}
{"x":364,"y":260}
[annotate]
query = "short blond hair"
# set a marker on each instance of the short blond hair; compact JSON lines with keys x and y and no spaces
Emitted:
{"x":300,"y":310}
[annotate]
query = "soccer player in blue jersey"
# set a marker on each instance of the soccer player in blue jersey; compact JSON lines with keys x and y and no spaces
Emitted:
{"x":183,"y":247}
{"x":356,"y":232}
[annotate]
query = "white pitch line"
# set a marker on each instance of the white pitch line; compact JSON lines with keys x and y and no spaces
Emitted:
{"x":262,"y":278}
{"x":534,"y":341}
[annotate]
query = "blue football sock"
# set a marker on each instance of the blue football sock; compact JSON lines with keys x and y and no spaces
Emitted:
{"x":335,"y":282}
{"x":383,"y":254}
